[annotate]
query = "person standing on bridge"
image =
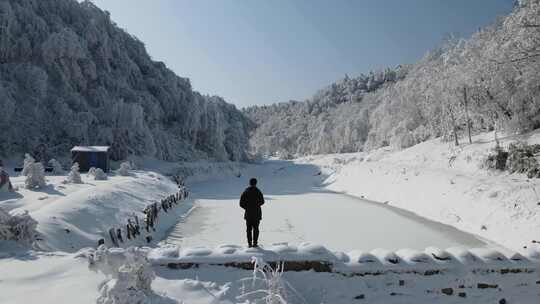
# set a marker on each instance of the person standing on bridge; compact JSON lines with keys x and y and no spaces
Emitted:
{"x":251,"y":201}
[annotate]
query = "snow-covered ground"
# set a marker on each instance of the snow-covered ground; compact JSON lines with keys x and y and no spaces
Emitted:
{"x":298,"y":210}
{"x":406,"y":276}
{"x":73,"y":216}
{"x":222,"y":285}
{"x":446,"y":184}
{"x":59,"y":278}
{"x":317,"y":199}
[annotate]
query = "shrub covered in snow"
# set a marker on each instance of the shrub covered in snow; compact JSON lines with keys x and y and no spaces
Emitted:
{"x":518,"y":158}
{"x":74,"y":176}
{"x":124,"y":169}
{"x":28,"y":161}
{"x":131,"y":285}
{"x":35,"y":176}
{"x":97,"y":174}
{"x":57,"y":168}
{"x":19,"y":227}
{"x":270,"y":286}
{"x":131,"y":276}
{"x":522,"y":158}
{"x":496,"y":159}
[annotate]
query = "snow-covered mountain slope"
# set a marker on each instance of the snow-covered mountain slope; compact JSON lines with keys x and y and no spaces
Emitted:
{"x":334,"y":120}
{"x":69,"y":75}
{"x":486,"y":82}
{"x":443,"y":183}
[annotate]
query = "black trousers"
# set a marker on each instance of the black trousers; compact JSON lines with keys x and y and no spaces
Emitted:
{"x":252,"y":231}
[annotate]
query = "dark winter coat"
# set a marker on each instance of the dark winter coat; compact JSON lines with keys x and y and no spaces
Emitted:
{"x":251,"y":201}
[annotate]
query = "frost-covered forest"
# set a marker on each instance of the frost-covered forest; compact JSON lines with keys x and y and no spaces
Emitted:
{"x":336,"y":119}
{"x":489,"y":81}
{"x":69,"y":76}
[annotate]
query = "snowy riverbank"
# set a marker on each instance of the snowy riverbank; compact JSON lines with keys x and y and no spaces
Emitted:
{"x":446,"y":184}
{"x":313,"y":274}
{"x":300,"y":196}
{"x":73,"y":216}
{"x":295,"y":207}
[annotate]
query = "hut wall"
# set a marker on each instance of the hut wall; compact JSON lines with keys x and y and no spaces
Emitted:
{"x":87,"y":160}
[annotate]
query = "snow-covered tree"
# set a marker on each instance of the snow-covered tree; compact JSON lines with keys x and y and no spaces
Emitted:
{"x":124,"y":169}
{"x":487,"y":82}
{"x":57,"y":168}
{"x":68,"y":71}
{"x":27,"y":163}
{"x":334,"y":120}
{"x":74,"y":176}
{"x":35,"y":176}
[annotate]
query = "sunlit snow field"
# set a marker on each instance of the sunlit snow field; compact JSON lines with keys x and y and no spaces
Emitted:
{"x":298,"y":210}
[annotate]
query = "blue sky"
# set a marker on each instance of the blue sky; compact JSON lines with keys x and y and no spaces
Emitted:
{"x":260,"y":52}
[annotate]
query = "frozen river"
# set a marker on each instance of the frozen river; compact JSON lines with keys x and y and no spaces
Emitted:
{"x":299,"y":210}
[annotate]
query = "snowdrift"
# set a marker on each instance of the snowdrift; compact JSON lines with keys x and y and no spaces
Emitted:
{"x":446,"y":184}
{"x":312,"y":273}
{"x":308,"y":256}
{"x":73,"y":216}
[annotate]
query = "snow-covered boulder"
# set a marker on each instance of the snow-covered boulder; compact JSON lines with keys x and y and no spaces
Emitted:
{"x":165,"y":252}
{"x":196,"y":252}
{"x":97,"y":174}
{"x":386,"y":256}
{"x":342,"y":257}
{"x":413,"y":256}
{"x":438,"y":254}
{"x":367,"y":258}
{"x":312,"y":251}
{"x":488,"y":255}
{"x":516,"y":257}
{"x":227,"y":249}
{"x":284,"y":248}
{"x":463,"y":255}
